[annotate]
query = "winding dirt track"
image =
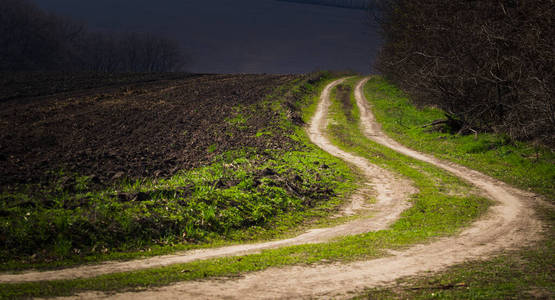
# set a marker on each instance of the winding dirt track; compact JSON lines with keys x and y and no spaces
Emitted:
{"x":508,"y":224}
{"x":390,"y":191}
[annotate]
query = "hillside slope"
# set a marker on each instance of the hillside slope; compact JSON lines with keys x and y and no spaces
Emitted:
{"x":124,"y":163}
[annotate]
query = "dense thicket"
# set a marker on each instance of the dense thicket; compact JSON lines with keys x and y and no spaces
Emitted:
{"x":487,"y":63}
{"x":32,"y":40}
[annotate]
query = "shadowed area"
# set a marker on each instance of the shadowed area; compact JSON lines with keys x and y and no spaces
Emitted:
{"x":249,"y":36}
{"x":114,"y":129}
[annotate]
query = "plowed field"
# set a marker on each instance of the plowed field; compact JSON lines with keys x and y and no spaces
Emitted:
{"x":126,"y":163}
{"x":131,"y":130}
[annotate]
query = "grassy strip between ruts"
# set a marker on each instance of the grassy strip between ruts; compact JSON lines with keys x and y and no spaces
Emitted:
{"x":520,"y":274}
{"x":434,"y":213}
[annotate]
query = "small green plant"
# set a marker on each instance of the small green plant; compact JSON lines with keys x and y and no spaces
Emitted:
{"x":82,"y":183}
{"x":212,"y":148}
{"x":264,"y":132}
{"x":238,"y":120}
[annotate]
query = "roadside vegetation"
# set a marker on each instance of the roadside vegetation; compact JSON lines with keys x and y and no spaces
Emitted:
{"x":442,"y":207}
{"x":524,"y":165}
{"x":514,"y":274}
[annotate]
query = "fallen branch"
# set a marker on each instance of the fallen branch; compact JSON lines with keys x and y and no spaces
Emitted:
{"x":436,"y":122}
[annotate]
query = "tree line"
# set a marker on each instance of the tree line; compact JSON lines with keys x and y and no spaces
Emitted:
{"x":33,"y":40}
{"x":487,"y":63}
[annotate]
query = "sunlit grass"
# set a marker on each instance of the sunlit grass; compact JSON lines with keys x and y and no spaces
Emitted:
{"x":524,"y":165}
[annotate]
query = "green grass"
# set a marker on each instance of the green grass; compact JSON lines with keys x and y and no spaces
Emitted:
{"x":524,"y":165}
{"x":435,"y":212}
{"x":518,"y":274}
{"x":238,"y":120}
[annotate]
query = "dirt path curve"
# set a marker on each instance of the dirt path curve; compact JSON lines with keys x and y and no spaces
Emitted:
{"x":391,"y":199}
{"x":510,"y":223}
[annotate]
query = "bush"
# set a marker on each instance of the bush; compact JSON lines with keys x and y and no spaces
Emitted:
{"x":487,"y":63}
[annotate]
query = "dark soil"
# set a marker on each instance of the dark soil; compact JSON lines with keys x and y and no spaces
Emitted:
{"x":18,"y":85}
{"x":132,"y":127}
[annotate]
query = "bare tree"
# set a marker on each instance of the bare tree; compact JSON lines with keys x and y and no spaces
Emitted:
{"x":31,"y":39}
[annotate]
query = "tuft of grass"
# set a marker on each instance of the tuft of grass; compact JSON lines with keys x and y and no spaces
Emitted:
{"x":238,"y":120}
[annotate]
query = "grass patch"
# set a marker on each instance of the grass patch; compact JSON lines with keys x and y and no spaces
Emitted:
{"x":238,"y":120}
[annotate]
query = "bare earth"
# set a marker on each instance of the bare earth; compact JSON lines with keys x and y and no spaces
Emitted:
{"x":510,"y":223}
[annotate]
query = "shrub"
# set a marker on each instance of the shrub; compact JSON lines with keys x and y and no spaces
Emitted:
{"x":487,"y":63}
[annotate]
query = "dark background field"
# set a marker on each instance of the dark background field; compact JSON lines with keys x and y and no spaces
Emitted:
{"x":136,"y":124}
{"x":247,"y":36}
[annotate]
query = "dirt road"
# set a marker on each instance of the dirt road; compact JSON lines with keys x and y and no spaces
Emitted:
{"x":509,"y":223}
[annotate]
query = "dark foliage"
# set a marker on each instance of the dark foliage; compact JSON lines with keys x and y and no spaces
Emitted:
{"x":32,"y":40}
{"x":487,"y":63}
